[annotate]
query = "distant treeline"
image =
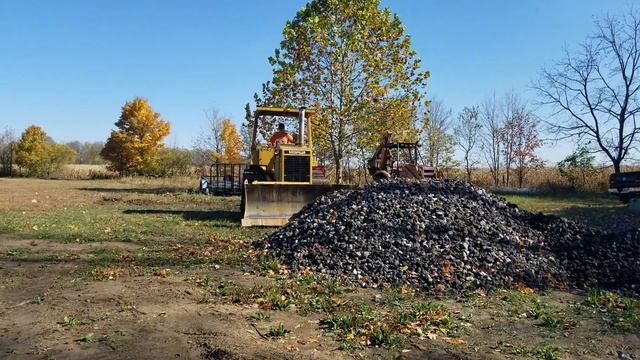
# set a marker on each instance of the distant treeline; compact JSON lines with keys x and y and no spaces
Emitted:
{"x":87,"y":152}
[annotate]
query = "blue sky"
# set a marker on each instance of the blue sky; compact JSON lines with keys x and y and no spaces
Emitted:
{"x":68,"y":66}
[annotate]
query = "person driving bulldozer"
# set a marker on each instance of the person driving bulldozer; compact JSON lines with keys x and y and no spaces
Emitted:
{"x":281,"y":136}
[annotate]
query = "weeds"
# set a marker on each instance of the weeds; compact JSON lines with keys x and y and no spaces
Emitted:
{"x":623,"y":314}
{"x":70,"y":321}
{"x":309,"y":294}
{"x":539,"y":309}
{"x":393,"y":297}
{"x":205,"y":281}
{"x":361,"y":324}
{"x":260,"y":316}
{"x":558,"y":322}
{"x":110,"y":341}
{"x":551,"y":322}
{"x":268,"y":266}
{"x":385,"y":337}
{"x":88,"y":338}
{"x":354,"y":330}
{"x":278,"y":331}
{"x":546,"y":352}
{"x":521,"y":351}
{"x":127,"y":306}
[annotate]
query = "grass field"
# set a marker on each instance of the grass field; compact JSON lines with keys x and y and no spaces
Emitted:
{"x":147,"y":268}
{"x":596,"y":209}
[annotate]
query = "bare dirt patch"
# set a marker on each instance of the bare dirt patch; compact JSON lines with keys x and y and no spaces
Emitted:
{"x":151,"y":272}
{"x":48,"y":245}
{"x":141,"y":317}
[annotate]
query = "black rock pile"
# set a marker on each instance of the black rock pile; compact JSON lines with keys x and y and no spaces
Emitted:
{"x":447,"y":234}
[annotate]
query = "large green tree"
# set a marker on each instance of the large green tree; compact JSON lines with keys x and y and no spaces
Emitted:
{"x":353,"y":61}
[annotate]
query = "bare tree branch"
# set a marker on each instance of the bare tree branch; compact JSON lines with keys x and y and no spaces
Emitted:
{"x":593,"y":93}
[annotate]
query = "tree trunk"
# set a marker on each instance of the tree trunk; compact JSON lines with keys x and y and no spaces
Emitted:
{"x":338,"y":164}
{"x":616,"y":166}
{"x":497,"y":165}
{"x":508,"y":176}
{"x":468,"y":167}
{"x":520,"y":177}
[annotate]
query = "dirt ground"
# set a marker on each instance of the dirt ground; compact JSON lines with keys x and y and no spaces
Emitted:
{"x":136,"y":269}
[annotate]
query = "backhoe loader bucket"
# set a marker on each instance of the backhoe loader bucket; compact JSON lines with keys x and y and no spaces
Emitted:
{"x":272,"y":204}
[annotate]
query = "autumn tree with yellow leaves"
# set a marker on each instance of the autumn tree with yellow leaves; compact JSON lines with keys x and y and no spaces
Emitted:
{"x":231,"y":142}
{"x":38,"y":155}
{"x":219,"y":142}
{"x":139,"y":135}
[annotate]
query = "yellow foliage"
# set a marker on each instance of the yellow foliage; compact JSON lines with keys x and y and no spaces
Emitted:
{"x":231,"y":142}
{"x":39,"y":156}
{"x":31,"y":150}
{"x":139,"y":135}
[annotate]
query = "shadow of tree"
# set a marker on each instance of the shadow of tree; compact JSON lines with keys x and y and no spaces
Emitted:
{"x":160,"y":258}
{"x":608,"y":218}
{"x":223,"y":215}
{"x":158,"y":190}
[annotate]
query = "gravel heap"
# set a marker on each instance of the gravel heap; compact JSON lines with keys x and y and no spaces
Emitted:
{"x":448,"y":234}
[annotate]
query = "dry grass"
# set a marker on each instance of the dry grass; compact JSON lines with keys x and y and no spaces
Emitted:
{"x":84,"y":172}
{"x":545,"y":179}
{"x":43,"y":195}
{"x":185,"y":183}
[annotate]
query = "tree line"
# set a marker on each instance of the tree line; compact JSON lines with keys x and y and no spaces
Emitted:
{"x":353,"y":61}
{"x":501,"y":134}
{"x":135,"y":147}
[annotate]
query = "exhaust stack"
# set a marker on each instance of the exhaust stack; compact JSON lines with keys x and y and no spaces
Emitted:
{"x":301,"y":127}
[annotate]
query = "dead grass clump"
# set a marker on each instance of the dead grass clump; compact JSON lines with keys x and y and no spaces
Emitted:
{"x":85,"y":172}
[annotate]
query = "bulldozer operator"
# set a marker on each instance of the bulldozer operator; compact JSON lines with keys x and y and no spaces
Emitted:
{"x":281,"y":136}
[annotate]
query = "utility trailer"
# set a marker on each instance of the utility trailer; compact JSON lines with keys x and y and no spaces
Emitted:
{"x":223,"y":179}
{"x":625,"y":185}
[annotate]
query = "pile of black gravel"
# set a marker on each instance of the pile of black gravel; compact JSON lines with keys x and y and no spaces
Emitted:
{"x":448,"y":234}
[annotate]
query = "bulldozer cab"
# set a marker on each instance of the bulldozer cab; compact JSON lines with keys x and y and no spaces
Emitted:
{"x":280,"y":180}
{"x":270,"y":158}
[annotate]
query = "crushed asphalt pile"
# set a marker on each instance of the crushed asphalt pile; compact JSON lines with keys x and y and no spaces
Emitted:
{"x":450,"y":235}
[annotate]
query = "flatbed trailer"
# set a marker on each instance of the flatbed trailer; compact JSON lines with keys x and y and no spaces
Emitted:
{"x":625,"y":185}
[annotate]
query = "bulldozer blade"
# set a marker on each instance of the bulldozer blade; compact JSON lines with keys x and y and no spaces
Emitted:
{"x":273,"y":204}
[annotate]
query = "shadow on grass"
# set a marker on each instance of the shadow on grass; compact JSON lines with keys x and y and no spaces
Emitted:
{"x":597,"y":209}
{"x":607,"y":218}
{"x":153,"y":260}
{"x":159,"y":190}
{"x":597,"y":197}
{"x":221,"y":215}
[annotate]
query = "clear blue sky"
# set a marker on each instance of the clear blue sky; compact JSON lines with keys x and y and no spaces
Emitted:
{"x":68,"y":66}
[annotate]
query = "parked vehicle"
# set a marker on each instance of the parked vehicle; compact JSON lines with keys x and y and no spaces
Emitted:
{"x":396,"y":159}
{"x":625,"y":185}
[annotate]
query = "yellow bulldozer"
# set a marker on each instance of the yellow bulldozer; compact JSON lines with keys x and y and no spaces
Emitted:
{"x":282,"y":178}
